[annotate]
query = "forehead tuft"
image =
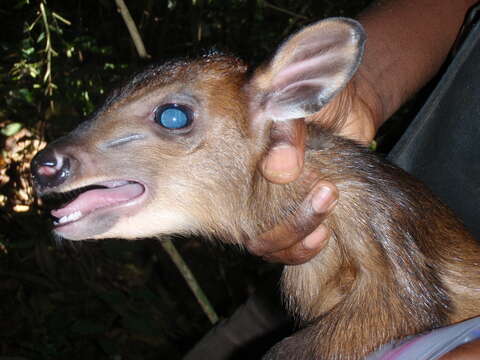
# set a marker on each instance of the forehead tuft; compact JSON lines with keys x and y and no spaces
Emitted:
{"x":213,"y":65}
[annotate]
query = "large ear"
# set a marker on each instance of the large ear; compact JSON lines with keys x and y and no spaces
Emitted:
{"x":309,"y":69}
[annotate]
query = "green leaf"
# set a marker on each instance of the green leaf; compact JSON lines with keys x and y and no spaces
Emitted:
{"x":11,"y":129}
{"x":41,"y":37}
{"x":27,"y":95}
{"x":28,"y":51}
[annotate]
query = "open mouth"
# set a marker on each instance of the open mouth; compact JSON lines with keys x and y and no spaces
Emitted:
{"x":76,"y":204}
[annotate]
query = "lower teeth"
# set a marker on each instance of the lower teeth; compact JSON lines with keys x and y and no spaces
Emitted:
{"x":68,"y":218}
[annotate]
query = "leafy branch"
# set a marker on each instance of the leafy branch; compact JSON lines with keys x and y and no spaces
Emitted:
{"x":49,"y":21}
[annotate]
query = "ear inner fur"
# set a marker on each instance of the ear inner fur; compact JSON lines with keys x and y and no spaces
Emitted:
{"x":310,"y":68}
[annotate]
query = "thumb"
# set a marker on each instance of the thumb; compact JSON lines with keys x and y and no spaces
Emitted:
{"x":284,"y":161}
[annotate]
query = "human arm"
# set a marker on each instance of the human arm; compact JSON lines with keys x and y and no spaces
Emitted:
{"x":407,"y":43}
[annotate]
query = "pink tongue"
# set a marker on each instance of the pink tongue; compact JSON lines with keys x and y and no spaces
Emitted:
{"x":99,"y":198}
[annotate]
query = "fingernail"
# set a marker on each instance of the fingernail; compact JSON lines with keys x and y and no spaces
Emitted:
{"x":281,"y":162}
{"x":323,"y":200}
{"x":317,"y":238}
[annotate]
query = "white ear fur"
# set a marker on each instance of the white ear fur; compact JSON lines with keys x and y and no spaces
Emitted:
{"x":310,"y":68}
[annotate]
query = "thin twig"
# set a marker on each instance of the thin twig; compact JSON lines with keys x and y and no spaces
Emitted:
{"x":32,"y":25}
{"x":190,"y":278}
{"x":285,"y":11}
{"x":132,"y":29}
{"x":47,"y":78}
{"x":62,"y":19}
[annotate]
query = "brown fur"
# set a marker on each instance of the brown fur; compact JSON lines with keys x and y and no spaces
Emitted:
{"x":398,"y":263}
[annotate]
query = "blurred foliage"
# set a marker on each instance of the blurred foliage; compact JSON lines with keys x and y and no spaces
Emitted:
{"x":111,"y":299}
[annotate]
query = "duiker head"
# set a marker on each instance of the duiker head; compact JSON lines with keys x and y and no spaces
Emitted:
{"x":176,"y":149}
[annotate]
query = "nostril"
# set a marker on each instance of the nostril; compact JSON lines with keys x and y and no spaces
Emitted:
{"x":49,"y":168}
{"x":48,"y":164}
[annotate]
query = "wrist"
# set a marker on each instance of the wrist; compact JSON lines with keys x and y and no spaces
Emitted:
{"x":369,"y":107}
{"x":405,"y":49}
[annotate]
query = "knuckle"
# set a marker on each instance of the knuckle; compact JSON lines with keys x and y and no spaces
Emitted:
{"x":255,"y":247}
{"x":303,"y":224}
{"x":293,"y":256}
{"x":271,"y":258}
{"x":303,"y":256}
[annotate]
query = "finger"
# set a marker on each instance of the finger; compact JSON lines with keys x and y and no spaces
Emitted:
{"x":284,"y":161}
{"x":311,"y":213}
{"x":300,"y":252}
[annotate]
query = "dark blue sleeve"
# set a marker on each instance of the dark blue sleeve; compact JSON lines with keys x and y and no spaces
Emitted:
{"x":441,"y":147}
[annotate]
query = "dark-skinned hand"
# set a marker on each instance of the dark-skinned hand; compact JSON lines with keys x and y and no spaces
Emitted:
{"x":350,"y":115}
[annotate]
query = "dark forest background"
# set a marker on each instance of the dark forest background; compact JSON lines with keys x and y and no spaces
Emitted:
{"x":112,"y":299}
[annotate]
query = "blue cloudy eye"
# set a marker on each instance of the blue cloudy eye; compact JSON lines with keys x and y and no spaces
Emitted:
{"x":173,"y":116}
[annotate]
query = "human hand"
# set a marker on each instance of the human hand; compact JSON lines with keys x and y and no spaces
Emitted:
{"x":351,"y":114}
{"x":299,"y":239}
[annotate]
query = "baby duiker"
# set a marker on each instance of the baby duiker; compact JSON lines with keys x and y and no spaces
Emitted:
{"x":176,"y":150}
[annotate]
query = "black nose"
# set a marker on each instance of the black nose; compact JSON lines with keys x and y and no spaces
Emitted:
{"x":49,"y":168}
